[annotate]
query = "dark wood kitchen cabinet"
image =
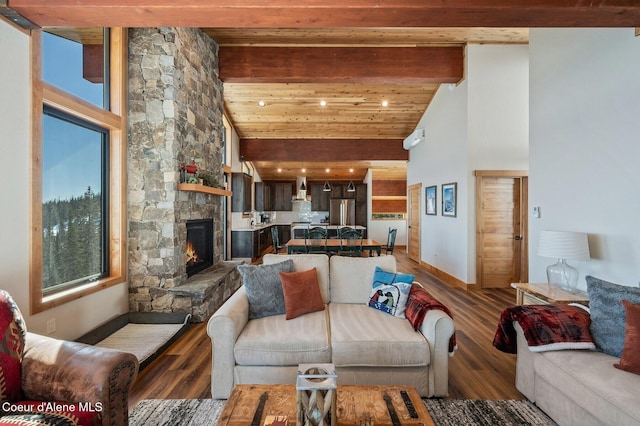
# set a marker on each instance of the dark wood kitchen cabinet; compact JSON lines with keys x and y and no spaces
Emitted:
{"x":361,"y":204}
{"x":263,"y":197}
{"x":281,"y":193}
{"x":320,"y":200}
{"x":241,"y":187}
{"x":250,"y":244}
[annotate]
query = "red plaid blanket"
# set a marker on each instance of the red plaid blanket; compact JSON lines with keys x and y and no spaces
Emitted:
{"x":546,"y":327}
{"x":419,"y":303}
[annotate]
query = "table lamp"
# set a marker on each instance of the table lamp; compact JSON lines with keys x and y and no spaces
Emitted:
{"x":563,"y":245}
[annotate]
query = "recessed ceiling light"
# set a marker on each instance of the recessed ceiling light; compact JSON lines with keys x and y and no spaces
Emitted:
{"x":350,"y":170}
{"x":304,"y":170}
{"x":323,"y":103}
{"x":327,"y":170}
{"x":261,"y":103}
{"x":385,"y":103}
{"x":279,"y":170}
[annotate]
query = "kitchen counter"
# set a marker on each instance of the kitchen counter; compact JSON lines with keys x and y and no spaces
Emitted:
{"x":258,"y":226}
{"x":252,"y":227}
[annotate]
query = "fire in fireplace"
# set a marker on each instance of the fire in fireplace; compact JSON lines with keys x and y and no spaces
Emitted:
{"x":199,"y":250}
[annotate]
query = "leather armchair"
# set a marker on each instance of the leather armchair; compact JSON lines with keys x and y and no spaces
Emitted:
{"x":59,"y":370}
{"x":38,"y":371}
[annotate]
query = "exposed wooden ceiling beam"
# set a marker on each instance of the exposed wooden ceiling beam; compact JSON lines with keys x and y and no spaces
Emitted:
{"x":322,"y":150}
{"x":389,"y":65}
{"x":331,"y":13}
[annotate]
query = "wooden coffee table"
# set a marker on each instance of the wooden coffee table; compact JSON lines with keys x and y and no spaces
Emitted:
{"x":355,"y":404}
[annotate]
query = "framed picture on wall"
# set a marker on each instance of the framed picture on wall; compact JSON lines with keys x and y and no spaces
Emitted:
{"x":431,"y":197}
{"x":449,"y":199}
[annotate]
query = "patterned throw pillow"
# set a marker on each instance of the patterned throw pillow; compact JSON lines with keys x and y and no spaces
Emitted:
{"x":390,"y":291}
{"x":13,"y":333}
{"x":264,"y":288}
{"x":608,"y":316}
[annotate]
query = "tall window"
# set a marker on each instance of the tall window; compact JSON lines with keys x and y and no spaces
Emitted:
{"x":74,"y":201}
{"x":79,"y":202}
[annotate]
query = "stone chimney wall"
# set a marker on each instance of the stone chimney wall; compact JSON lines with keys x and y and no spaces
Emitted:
{"x":175,"y":115}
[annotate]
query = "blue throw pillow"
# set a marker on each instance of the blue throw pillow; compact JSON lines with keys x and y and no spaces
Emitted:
{"x":608,"y":316}
{"x":390,"y":291}
{"x":264,"y":288}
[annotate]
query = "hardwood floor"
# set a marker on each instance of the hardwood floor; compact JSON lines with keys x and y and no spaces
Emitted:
{"x":476,"y":371}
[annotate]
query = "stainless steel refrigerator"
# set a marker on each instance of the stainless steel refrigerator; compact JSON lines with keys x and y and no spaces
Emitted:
{"x":342,"y":212}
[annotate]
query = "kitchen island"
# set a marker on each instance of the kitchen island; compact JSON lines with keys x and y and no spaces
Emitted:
{"x":252,"y":241}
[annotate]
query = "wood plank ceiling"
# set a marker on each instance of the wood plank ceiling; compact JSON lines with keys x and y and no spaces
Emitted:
{"x":353,"y":70}
{"x":352,"y":54}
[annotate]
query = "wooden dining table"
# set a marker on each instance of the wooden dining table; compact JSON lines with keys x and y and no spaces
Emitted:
{"x":297,"y":245}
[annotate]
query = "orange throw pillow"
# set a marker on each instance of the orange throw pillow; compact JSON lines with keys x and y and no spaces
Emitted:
{"x":301,"y":293}
{"x":630,"y":360}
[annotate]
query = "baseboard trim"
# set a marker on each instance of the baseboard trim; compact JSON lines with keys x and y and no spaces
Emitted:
{"x":447,"y":278}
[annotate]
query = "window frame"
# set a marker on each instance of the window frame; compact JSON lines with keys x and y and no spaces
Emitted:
{"x":114,"y":120}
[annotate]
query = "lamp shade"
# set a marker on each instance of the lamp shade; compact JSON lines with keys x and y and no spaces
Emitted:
{"x":564,"y":245}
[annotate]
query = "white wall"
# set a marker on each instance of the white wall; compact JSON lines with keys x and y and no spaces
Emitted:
{"x":585,"y":147}
{"x":480,"y":124}
{"x":74,"y":318}
{"x":442,"y":158}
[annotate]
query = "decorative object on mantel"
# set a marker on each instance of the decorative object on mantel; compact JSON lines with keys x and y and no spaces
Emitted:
{"x":563,"y":245}
{"x":316,"y":387}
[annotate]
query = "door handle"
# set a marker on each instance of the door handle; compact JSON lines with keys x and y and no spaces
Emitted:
{"x":517,"y":237}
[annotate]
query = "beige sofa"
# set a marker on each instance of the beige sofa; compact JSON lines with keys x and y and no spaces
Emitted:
{"x":578,"y":387}
{"x":365,"y":345}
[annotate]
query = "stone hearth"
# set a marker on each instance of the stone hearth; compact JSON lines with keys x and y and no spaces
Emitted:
{"x":175,"y":115}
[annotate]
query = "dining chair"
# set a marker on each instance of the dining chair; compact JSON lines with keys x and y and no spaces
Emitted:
{"x":391,"y":241}
{"x":315,"y":240}
{"x":350,"y":242}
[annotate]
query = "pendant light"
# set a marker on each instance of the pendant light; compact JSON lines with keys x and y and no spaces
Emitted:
{"x":326,"y":187}
{"x":351,"y":187}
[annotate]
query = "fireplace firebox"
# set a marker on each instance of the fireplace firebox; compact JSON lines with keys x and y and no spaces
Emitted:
{"x":199,"y":249}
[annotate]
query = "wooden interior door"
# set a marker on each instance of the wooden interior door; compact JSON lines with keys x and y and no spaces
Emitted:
{"x":414,"y":193}
{"x":501,"y":228}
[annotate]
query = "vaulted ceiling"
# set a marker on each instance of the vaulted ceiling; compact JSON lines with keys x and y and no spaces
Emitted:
{"x":352,"y":54}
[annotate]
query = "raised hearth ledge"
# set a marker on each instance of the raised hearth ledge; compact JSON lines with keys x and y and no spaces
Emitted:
{"x":203,"y":293}
{"x":194,"y":187}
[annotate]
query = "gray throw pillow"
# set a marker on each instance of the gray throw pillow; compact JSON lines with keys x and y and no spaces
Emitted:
{"x":608,"y":316}
{"x":264,"y":288}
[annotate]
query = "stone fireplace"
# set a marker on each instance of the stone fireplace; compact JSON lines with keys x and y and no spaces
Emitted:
{"x":175,"y":117}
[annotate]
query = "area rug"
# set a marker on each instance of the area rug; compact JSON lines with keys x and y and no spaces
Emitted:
{"x":455,"y":412}
{"x":445,"y":412}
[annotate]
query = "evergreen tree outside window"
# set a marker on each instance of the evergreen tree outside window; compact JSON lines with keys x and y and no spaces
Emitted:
{"x":74,"y":208}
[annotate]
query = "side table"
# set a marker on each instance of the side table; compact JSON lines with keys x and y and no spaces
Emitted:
{"x":541,"y":294}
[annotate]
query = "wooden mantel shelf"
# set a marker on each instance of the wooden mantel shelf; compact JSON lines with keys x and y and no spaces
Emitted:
{"x":194,"y":187}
